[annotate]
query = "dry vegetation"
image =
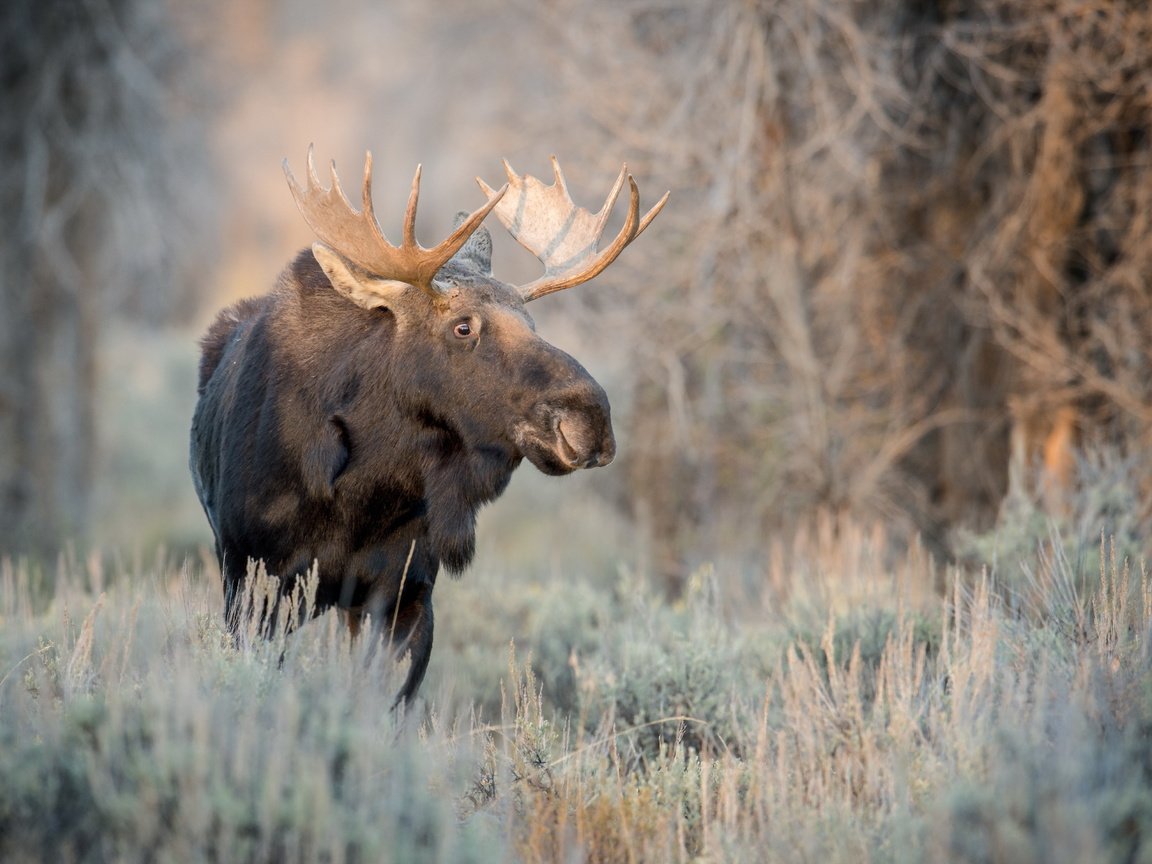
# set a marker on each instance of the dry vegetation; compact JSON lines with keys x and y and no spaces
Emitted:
{"x":906,"y":263}
{"x":844,"y":709}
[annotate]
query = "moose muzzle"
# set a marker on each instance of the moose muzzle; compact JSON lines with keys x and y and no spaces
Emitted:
{"x":569,"y":431}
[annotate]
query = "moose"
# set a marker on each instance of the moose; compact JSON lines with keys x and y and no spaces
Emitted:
{"x":352,"y":421}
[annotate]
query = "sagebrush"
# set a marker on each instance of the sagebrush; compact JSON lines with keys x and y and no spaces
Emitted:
{"x":910,"y":724}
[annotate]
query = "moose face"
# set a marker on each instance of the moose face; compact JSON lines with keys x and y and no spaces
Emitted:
{"x":478,"y":367}
{"x":513,"y":386}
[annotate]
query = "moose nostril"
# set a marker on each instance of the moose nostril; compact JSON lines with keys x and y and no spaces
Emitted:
{"x":600,"y":458}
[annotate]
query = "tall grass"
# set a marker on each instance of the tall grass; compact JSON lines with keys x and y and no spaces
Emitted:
{"x":848,"y":705}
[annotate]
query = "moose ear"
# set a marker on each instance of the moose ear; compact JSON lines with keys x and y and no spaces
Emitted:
{"x":361,"y":289}
{"x":476,"y":253}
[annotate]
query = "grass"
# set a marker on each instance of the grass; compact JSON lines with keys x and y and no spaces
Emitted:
{"x":842,"y":708}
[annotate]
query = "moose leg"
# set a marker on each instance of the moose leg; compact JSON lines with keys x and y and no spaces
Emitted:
{"x":411,"y":631}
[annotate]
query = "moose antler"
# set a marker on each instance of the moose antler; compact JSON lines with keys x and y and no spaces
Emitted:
{"x":546,"y":222}
{"x":357,"y":236}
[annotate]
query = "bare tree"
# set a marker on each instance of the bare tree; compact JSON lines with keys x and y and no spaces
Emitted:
{"x":910,"y":259}
{"x":93,"y":141}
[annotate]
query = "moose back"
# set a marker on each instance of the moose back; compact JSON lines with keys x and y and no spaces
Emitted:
{"x":356,"y":417}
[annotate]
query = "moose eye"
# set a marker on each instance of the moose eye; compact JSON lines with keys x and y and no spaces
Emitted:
{"x":463,"y":330}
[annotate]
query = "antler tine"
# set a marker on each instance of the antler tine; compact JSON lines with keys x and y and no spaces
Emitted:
{"x":557,"y":175}
{"x":606,"y":210}
{"x":356,"y":235}
{"x":651,"y":214}
{"x":410,"y":210}
{"x":546,"y":221}
{"x":365,"y":196}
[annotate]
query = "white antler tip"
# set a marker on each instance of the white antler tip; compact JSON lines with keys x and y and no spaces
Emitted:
{"x":313,"y":180}
{"x":558,"y":175}
{"x":488,"y":190}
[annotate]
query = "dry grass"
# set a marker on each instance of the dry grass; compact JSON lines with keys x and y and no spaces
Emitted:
{"x":864,"y":716}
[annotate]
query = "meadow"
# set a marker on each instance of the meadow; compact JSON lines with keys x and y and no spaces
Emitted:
{"x":821,"y":609}
{"x":844,"y":700}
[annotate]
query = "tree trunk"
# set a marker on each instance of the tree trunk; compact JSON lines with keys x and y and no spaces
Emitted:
{"x":92,"y":149}
{"x":48,"y":339}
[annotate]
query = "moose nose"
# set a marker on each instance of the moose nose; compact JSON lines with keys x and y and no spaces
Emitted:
{"x":596,"y":459}
{"x":585,"y":441}
{"x":600,"y":458}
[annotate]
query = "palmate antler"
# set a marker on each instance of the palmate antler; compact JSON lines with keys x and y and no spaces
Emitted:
{"x":357,"y":236}
{"x":546,"y":221}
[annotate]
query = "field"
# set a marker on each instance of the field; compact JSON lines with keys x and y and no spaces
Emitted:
{"x":868,"y":579}
{"x":845,"y":702}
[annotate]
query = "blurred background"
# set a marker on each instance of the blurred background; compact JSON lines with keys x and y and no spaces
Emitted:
{"x":902,"y":279}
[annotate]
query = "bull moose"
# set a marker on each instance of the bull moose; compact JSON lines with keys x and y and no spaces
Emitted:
{"x":355,"y":418}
